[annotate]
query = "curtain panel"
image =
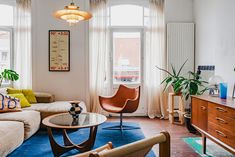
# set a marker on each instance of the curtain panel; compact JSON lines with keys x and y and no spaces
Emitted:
{"x":155,"y":55}
{"x":99,"y":70}
{"x":22,"y":50}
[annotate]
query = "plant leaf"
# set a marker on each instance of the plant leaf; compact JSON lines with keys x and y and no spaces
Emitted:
{"x":165,"y":71}
{"x":181,"y":68}
{"x":173,"y":70}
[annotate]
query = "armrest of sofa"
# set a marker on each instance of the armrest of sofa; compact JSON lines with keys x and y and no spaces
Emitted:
{"x":44,"y":97}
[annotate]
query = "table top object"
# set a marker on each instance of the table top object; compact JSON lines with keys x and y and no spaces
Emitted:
{"x":66,"y":121}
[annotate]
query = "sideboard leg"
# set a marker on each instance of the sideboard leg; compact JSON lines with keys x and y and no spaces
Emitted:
{"x":204,"y":144}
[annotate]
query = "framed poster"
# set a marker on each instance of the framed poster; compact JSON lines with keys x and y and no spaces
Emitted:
{"x":59,"y":50}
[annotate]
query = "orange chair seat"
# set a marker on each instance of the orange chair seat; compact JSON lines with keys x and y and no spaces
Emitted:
{"x":112,"y":108}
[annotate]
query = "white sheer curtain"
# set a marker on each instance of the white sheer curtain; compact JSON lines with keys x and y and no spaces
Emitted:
{"x":98,"y":53}
{"x":155,"y":55}
{"x":22,"y":52}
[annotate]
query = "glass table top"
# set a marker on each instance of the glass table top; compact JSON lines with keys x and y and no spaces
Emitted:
{"x":65,"y":120}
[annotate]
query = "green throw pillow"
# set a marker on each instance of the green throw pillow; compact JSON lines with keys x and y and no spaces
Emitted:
{"x":23,"y":101}
{"x":29,"y":95}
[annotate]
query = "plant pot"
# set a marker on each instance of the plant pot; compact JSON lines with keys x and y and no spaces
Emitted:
{"x":188,"y":124}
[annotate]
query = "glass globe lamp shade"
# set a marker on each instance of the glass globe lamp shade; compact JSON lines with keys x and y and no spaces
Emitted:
{"x":215,"y":80}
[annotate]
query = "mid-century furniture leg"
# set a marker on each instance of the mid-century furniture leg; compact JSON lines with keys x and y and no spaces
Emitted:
{"x":69,"y":145}
{"x":203,"y":144}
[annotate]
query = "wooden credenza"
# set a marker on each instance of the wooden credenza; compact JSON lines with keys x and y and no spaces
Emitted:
{"x":214,"y":118}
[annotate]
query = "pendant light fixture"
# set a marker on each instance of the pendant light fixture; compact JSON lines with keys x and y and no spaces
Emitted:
{"x":72,"y":14}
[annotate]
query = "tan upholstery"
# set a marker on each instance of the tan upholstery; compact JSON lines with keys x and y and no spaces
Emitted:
{"x":11,"y":136}
{"x":47,"y":109}
{"x":30,"y":119}
{"x":135,"y":149}
{"x":44,"y":97}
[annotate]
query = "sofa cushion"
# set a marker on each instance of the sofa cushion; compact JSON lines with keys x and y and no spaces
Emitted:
{"x":11,"y":136}
{"x":23,"y":101}
{"x":13,"y":91}
{"x":47,"y":109}
{"x":44,"y":97}
{"x":9,"y":104}
{"x":29,"y":95}
{"x":31,"y":120}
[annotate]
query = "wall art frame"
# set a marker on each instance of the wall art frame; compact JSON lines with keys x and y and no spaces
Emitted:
{"x":59,"y":50}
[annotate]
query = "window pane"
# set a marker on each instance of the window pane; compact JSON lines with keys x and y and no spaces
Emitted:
{"x":126,"y":57}
{"x":126,"y":15}
{"x":5,"y":49}
{"x":6,"y":15}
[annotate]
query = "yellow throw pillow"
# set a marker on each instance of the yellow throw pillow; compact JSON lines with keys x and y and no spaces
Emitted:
{"x":23,"y":101}
{"x":29,"y":95}
{"x":13,"y":91}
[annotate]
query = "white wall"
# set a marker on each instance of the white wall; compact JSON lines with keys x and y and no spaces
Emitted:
{"x":74,"y":84}
{"x":215,"y":36}
{"x":179,"y":10}
{"x":65,"y":85}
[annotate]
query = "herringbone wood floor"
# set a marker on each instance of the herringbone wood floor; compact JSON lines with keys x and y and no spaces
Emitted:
{"x":151,"y":127}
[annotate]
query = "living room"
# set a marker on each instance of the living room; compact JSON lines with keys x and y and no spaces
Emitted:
{"x":114,"y":78}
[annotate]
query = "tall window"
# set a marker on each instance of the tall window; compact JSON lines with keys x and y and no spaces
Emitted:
{"x":126,"y":24}
{"x":6,"y":37}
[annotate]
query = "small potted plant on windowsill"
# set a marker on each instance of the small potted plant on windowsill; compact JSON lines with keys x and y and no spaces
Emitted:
{"x":8,"y":74}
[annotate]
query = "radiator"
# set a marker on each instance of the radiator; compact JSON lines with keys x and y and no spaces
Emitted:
{"x":180,"y":46}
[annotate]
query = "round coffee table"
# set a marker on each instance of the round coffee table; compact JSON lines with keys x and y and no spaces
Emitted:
{"x":65,"y":121}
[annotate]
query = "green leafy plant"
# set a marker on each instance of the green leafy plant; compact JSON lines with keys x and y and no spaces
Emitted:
{"x":173,"y":79}
{"x":193,"y":85}
{"x":8,"y":74}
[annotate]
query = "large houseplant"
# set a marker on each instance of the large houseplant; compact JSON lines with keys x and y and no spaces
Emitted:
{"x":173,"y":79}
{"x":191,"y":85}
{"x":8,"y":74}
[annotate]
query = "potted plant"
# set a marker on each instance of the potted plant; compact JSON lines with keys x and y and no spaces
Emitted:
{"x":173,"y":79}
{"x":192,"y":85}
{"x":8,"y":74}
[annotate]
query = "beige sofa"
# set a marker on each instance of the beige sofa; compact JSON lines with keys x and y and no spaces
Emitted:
{"x":15,"y":127}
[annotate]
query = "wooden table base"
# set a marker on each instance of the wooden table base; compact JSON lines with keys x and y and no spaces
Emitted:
{"x":58,"y":150}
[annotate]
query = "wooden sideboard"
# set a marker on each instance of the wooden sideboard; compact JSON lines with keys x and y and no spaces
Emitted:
{"x":214,"y":118}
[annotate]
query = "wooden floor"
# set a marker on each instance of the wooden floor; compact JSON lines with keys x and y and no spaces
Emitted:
{"x":151,"y":127}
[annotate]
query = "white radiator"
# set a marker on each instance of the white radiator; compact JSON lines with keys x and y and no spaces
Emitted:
{"x":180,"y":46}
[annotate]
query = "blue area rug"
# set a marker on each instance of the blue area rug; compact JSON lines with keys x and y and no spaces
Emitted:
{"x":38,"y":145}
{"x":212,"y":149}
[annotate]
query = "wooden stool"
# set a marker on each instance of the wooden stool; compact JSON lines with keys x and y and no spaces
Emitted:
{"x":172,"y":111}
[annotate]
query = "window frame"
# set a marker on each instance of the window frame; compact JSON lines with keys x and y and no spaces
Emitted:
{"x":127,"y":29}
{"x":11,"y":30}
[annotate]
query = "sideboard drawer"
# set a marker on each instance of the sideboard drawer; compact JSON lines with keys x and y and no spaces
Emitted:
{"x":222,"y":134}
{"x":222,"y":121}
{"x":221,"y":110}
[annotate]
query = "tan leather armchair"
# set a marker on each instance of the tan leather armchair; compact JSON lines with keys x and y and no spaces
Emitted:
{"x":135,"y":149}
{"x":126,"y":100}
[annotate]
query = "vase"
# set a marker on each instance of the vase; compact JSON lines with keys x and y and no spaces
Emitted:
{"x":75,"y":110}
